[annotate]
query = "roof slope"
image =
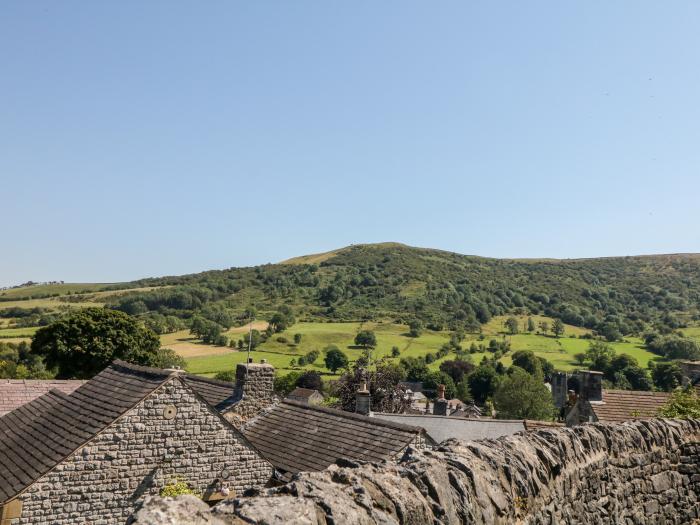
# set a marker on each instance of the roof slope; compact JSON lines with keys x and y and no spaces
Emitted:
{"x":302,"y":393}
{"x":16,"y":392}
{"x":40,"y":434}
{"x":219,"y":394}
{"x":440,"y":428}
{"x":625,"y":405}
{"x":297,"y":437}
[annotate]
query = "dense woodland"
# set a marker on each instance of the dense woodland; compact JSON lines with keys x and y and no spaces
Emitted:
{"x":613,"y":296}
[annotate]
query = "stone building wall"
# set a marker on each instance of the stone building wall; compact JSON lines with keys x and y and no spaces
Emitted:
{"x":136,"y":456}
{"x":642,"y":472}
{"x":255,"y":391}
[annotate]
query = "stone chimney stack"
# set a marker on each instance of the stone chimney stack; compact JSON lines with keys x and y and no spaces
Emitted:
{"x":440,"y":405}
{"x":559,"y":389}
{"x":363,"y":401}
{"x":254,"y":390}
{"x":591,"y":386}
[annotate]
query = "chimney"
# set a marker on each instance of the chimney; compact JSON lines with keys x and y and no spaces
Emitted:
{"x":591,"y":386}
{"x":440,"y":405}
{"x":254,"y":390}
{"x":559,"y":389}
{"x":362,"y":401}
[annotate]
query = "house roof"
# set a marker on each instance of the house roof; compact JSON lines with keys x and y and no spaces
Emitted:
{"x":440,"y":428}
{"x":40,"y":434}
{"x":624,"y":405}
{"x":297,"y":437}
{"x":219,"y":394}
{"x":16,"y":392}
{"x":302,"y":393}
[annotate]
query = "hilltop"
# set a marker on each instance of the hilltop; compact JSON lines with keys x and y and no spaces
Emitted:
{"x":392,"y":281}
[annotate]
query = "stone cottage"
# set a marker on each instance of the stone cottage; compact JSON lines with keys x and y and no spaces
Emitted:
{"x":88,"y":457}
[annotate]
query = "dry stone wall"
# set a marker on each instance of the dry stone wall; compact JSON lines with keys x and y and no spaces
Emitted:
{"x":640,"y":472}
{"x":102,"y":481}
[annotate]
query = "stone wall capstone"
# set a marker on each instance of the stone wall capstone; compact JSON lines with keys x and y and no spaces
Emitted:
{"x":640,"y":472}
{"x":140,"y":453}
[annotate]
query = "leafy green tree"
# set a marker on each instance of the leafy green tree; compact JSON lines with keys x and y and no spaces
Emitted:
{"x":433,"y":379}
{"x":312,"y":356}
{"x":252,"y":338}
{"x":580,"y":358}
{"x":297,"y":339}
{"x":673,"y":346}
{"x":599,"y":354}
{"x":226,"y":375}
{"x":415,"y":328}
{"x":528,"y":361}
{"x":482,"y":382}
{"x":544,"y":327}
{"x":463,"y":393}
{"x":366,"y":339}
{"x":168,"y":358}
{"x":530,"y":325}
{"x":512,"y":325}
{"x":310,"y":379}
{"x":414,"y":369}
{"x":684,"y":404}
{"x":521,"y":395}
{"x":282,"y":320}
{"x":208,"y":331}
{"x":86,"y":341}
{"x":335,"y":360}
{"x":284,"y":384}
{"x":457,"y":369}
{"x":558,"y":328}
{"x":395,"y":352}
{"x":666,"y":376}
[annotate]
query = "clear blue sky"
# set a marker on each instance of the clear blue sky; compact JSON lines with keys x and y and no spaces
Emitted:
{"x":151,"y":138}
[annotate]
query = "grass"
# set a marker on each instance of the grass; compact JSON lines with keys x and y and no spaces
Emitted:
{"x":50,"y":289}
{"x":316,"y":336}
{"x":8,"y":333}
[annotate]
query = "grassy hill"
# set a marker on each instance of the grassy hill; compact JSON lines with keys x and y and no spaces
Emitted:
{"x":386,"y":286}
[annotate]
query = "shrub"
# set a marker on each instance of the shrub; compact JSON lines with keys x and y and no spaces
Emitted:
{"x":177,"y":487}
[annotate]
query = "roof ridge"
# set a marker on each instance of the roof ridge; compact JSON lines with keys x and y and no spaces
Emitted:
{"x":143,"y":369}
{"x":209,"y":380}
{"x":353,"y":415}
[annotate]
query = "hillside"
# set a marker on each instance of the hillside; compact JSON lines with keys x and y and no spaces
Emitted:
{"x":391,"y":281}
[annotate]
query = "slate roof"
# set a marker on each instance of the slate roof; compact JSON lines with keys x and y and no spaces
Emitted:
{"x":40,"y":434}
{"x":440,"y":428}
{"x":625,"y":405}
{"x":302,"y":393}
{"x":219,"y":394}
{"x":297,"y":437}
{"x":16,"y":392}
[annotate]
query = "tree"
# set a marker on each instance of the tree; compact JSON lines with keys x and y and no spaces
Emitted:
{"x":366,"y":339}
{"x":226,"y":375}
{"x":580,"y":358}
{"x":528,"y":361}
{"x":86,"y":341}
{"x":415,"y":328}
{"x":521,"y":395}
{"x":208,"y":331}
{"x":482,"y":382}
{"x":544,"y":327}
{"x":673,"y":346}
{"x":512,"y":325}
{"x":530,"y":325}
{"x":433,"y":379}
{"x":457,"y":369}
{"x":335,"y":359}
{"x":558,"y":328}
{"x":282,"y":320}
{"x":251,"y":339}
{"x":310,"y":379}
{"x":312,"y":356}
{"x":395,"y":352}
{"x":297,"y":339}
{"x":167,"y":358}
{"x":684,"y":404}
{"x":284,"y":384}
{"x":414,"y":369}
{"x":383,"y":382}
{"x":599,"y":354}
{"x":666,"y":376}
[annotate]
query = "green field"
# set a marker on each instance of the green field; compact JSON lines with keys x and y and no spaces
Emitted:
{"x":13,"y":333}
{"x":41,"y":290}
{"x":318,"y":335}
